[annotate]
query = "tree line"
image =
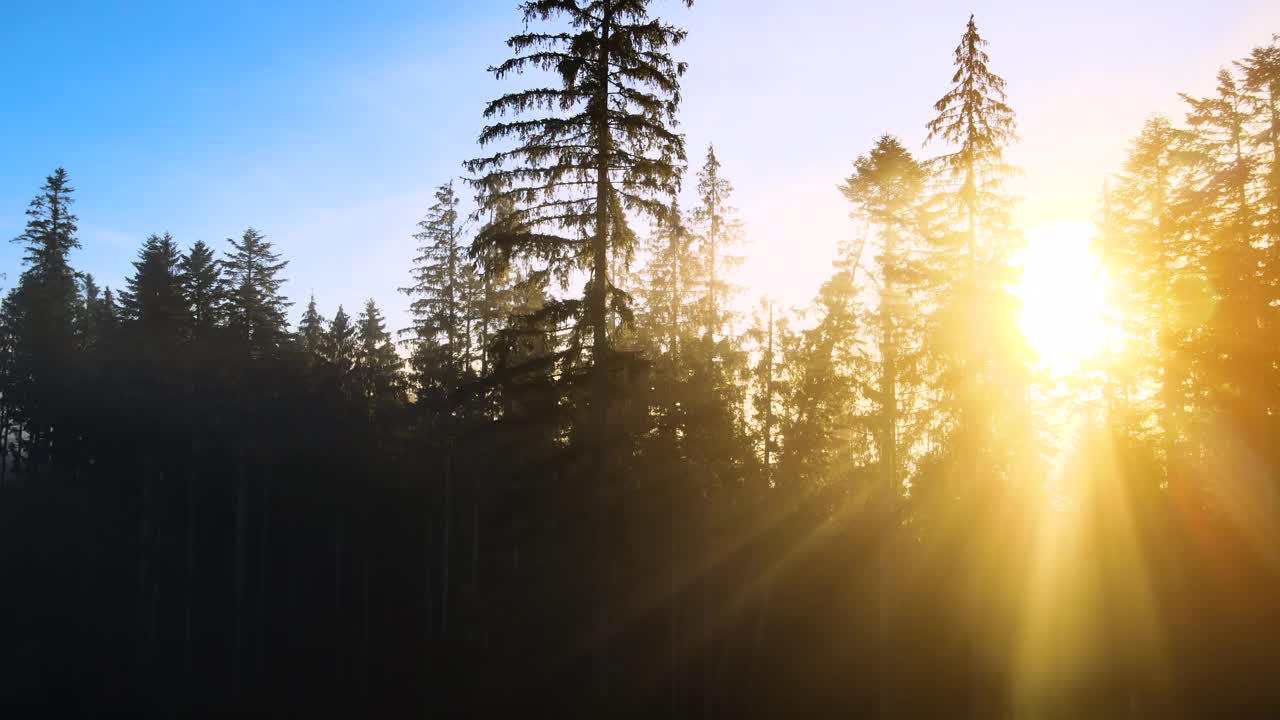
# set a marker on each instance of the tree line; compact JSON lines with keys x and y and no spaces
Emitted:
{"x":581,"y":479}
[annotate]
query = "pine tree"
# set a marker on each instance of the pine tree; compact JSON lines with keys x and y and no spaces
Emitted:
{"x":887,"y":189}
{"x":970,"y":263}
{"x":1261,"y":73}
{"x":154,"y":298}
{"x":597,"y":146}
{"x":819,"y":428}
{"x":256,"y":309}
{"x":495,"y":293}
{"x":584,"y":153}
{"x":340,"y":344}
{"x":975,"y":119}
{"x":442,"y":297}
{"x":311,"y":331}
{"x":720,"y":231}
{"x":767,"y":334}
{"x":377,"y":365}
{"x":1221,"y":216}
{"x":670,"y":313}
{"x":204,"y":289}
{"x":1143,"y":251}
{"x":40,"y":313}
{"x":97,"y":318}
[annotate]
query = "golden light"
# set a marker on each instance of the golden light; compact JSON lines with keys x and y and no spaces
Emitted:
{"x":1062,"y":290}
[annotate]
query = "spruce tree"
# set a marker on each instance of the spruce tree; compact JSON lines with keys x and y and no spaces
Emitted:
{"x":311,"y":331}
{"x":40,"y":312}
{"x":820,"y":430}
{"x":339,"y":343}
{"x":1142,"y":251}
{"x":1222,"y":220}
{"x":976,"y":122}
{"x":670,"y":314}
{"x":720,"y":231}
{"x":204,"y":289}
{"x":154,"y":299}
{"x":442,"y":297}
{"x":887,"y":190}
{"x":1261,"y":75}
{"x":377,"y":365}
{"x":970,"y":261}
{"x":95,"y":319}
{"x":584,"y":152}
{"x":255,"y":307}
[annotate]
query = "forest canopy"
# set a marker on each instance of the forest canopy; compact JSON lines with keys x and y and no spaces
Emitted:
{"x":984,"y":470}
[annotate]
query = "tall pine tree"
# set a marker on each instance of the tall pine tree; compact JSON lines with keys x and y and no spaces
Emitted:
{"x":40,"y":315}
{"x":255,"y":306}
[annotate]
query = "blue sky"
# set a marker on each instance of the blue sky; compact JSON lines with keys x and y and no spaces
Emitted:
{"x":327,"y":125}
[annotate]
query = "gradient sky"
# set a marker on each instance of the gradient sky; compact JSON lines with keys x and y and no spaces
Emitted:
{"x":327,"y":125}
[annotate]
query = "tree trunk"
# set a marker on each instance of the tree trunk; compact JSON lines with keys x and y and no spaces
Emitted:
{"x":447,"y":524}
{"x":238,"y":609}
{"x":262,"y":588}
{"x":339,"y":677}
{"x":188,"y":648}
{"x":597,"y":319}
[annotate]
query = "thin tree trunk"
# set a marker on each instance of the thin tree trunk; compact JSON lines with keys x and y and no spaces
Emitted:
{"x":238,"y":610}
{"x":428,"y":617}
{"x":475,"y":543}
{"x":188,"y":649}
{"x":339,"y":679}
{"x":598,"y":321}
{"x":444,"y":551}
{"x":364,"y":638}
{"x":889,"y":461}
{"x":262,"y":587}
{"x":140,"y":603}
{"x":768,"y":403}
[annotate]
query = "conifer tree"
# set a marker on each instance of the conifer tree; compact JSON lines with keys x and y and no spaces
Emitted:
{"x":311,"y":331}
{"x":975,"y":120}
{"x":970,"y":262}
{"x":340,"y":344}
{"x":819,"y":429}
{"x":1222,"y":220}
{"x":887,"y":190}
{"x":495,"y":294}
{"x":586,"y":151}
{"x":720,"y":231}
{"x":1142,"y":252}
{"x":40,"y":312}
{"x":256,"y":309}
{"x":98,"y":316}
{"x":1261,"y":74}
{"x":204,"y":289}
{"x":442,"y":290}
{"x":154,"y":298}
{"x":670,"y":312}
{"x":377,"y":365}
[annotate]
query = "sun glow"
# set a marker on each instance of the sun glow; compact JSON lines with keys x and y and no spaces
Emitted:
{"x":1062,"y":289}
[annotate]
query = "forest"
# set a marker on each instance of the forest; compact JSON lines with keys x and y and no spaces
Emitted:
{"x":584,"y":481}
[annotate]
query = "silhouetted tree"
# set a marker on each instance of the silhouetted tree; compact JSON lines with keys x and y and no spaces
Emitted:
{"x":204,"y":289}
{"x":311,"y":331}
{"x":441,"y":296}
{"x":153,"y":298}
{"x":40,"y":314}
{"x":255,"y":307}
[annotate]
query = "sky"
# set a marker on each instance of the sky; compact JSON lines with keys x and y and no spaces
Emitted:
{"x":327,"y":125}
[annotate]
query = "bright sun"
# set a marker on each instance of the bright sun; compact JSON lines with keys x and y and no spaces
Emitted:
{"x":1062,"y":290}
